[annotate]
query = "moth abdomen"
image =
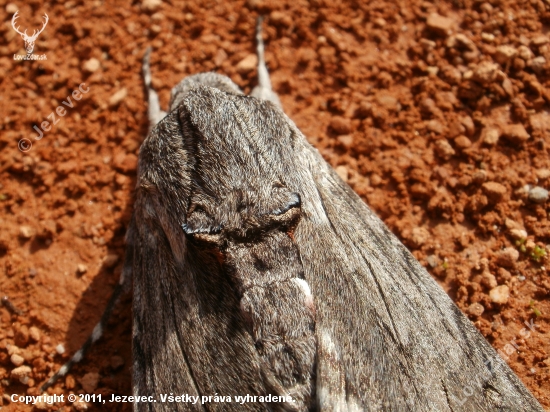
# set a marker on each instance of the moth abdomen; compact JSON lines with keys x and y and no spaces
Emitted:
{"x":277,"y":306}
{"x":282,"y":327}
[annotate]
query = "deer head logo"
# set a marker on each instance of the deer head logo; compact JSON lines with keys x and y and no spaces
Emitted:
{"x":29,"y":40}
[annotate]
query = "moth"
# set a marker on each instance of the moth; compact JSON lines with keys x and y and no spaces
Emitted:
{"x":257,"y":271}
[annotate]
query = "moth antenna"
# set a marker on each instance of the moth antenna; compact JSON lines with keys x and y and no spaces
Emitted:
{"x":154,"y":112}
{"x":263,"y":90}
{"x":96,"y":334}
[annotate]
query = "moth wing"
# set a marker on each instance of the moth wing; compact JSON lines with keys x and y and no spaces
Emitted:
{"x":389,"y":338}
{"x":188,"y":337}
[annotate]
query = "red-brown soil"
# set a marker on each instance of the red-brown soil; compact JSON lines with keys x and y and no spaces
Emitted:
{"x":436,"y":113}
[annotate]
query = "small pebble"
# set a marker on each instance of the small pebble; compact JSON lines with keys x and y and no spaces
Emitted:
{"x":11,"y":8}
{"x":504,"y":275}
{"x":419,"y":236}
{"x":469,"y":125}
{"x":488,"y":37}
{"x":340,"y":125}
{"x":508,"y":87}
{"x":432,"y":261}
{"x":60,"y":349}
{"x":475,"y":309}
{"x":543,"y":174}
{"x":91,"y":65}
{"x":516,"y":133}
{"x":538,"y":64}
{"x":460,"y":40}
{"x":21,"y":372}
{"x":479,"y":176}
{"x":34,"y":333}
{"x":118,"y":97}
{"x":432,"y":70}
{"x":462,"y":142}
{"x":345,"y":140}
{"x":21,"y":338}
{"x":26,"y":232}
{"x":13,"y":349}
{"x":220,"y":57}
{"x":490,"y":135}
{"x":538,"y":194}
{"x":81,"y":268}
{"x":540,"y":40}
{"x":494,"y":190}
{"x":444,"y":149}
{"x":247,"y":64}
{"x":157,"y":17}
{"x":439,"y":23}
{"x":507,"y":257}
{"x":486,"y":72}
{"x":511,"y":224}
{"x":427,"y":44}
{"x":17,"y":360}
{"x":500,"y":294}
{"x":518,"y":233}
{"x":435,"y":126}
{"x":388,"y":101}
{"x":525,"y":53}
{"x":488,"y":280}
{"x":150,"y":5}
{"x":505,"y":53}
{"x":70,"y":382}
{"x":379,"y":22}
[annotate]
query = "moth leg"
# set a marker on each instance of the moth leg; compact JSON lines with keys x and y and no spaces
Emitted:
{"x":154,"y":112}
{"x":263,"y":90}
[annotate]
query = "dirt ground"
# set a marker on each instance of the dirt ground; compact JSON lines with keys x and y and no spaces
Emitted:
{"x":436,"y":113}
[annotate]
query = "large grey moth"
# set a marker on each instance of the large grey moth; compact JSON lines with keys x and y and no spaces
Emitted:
{"x":257,"y":271}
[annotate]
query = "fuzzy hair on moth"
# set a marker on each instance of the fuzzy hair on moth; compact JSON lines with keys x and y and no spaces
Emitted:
{"x":257,"y":271}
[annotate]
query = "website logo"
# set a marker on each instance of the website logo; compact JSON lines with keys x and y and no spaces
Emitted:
{"x":29,"y":40}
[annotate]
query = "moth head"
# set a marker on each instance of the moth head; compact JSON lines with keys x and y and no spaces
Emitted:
{"x":242,"y":216}
{"x":210,"y":79}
